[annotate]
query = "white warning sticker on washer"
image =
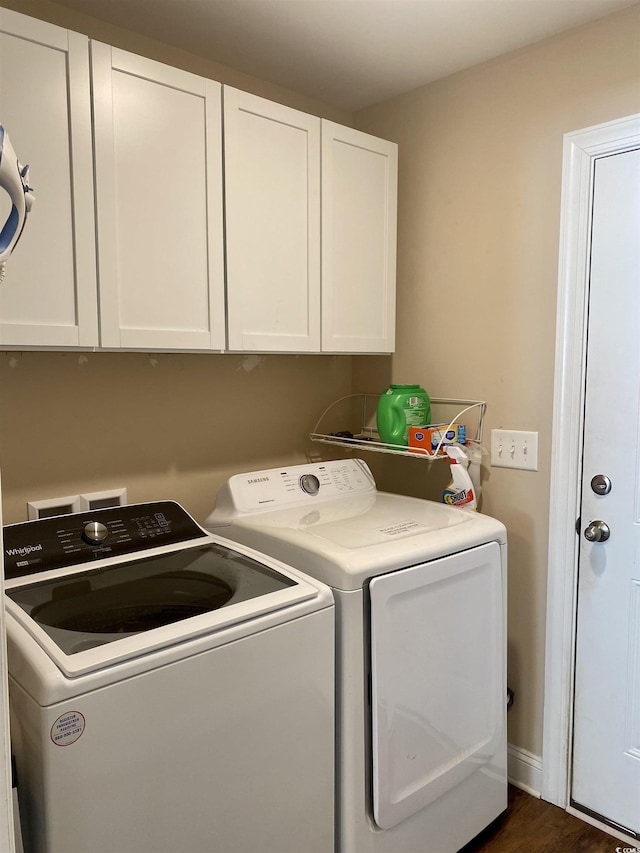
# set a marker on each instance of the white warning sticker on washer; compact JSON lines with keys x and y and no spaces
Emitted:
{"x":67,"y":728}
{"x":403,"y":528}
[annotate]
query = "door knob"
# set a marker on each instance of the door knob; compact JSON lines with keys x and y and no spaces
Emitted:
{"x":601,"y":484}
{"x":597,"y":531}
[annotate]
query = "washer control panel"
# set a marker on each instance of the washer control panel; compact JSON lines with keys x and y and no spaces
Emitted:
{"x":67,"y":540}
{"x":296,"y":485}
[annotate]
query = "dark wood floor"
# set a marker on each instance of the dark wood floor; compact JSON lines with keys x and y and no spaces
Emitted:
{"x":531,"y":825}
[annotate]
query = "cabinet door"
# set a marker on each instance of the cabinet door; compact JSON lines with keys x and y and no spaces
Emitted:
{"x":158,"y":154}
{"x":359,"y":202}
{"x":272,"y":198}
{"x":48,"y":297}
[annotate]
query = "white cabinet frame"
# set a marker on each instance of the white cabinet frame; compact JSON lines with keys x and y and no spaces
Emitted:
{"x":137,"y":164}
{"x":272,"y":198}
{"x":64,"y":267}
{"x":127,"y":290}
{"x":359,"y":214}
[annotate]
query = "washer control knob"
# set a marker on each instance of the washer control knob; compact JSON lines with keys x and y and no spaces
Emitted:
{"x":95,"y":533}
{"x":310,"y":484}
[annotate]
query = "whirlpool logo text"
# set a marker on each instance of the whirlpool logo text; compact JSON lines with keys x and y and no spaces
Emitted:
{"x":22,"y":552}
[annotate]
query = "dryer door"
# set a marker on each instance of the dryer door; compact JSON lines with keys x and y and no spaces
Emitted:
{"x":437,"y":679}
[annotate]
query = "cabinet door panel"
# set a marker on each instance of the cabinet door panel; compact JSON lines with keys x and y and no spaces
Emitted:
{"x":159,"y":204}
{"x":359,"y":199}
{"x":49,"y":295}
{"x":272,"y":175}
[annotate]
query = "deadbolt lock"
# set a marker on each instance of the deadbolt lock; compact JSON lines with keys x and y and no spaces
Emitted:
{"x":601,"y":484}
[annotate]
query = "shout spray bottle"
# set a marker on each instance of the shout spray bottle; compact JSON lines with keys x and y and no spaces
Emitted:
{"x":460,"y":491}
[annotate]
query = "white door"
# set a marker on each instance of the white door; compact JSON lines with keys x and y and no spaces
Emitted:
{"x":606,"y":751}
{"x":359,"y":203}
{"x":158,"y":152}
{"x":48,"y":297}
{"x":272,"y":199}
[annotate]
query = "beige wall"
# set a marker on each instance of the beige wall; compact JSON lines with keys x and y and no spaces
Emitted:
{"x":163,"y":426}
{"x":479,"y":211}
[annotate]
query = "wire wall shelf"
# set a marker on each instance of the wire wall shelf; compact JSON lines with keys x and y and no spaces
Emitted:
{"x":365,"y":436}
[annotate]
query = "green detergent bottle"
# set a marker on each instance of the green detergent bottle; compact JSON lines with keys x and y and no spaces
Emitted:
{"x":400,"y":407}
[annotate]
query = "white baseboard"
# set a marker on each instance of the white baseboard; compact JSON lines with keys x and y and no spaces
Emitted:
{"x":524,"y":769}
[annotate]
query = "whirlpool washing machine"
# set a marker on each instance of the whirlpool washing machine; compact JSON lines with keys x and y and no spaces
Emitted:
{"x":420,"y":593}
{"x":169,"y":690}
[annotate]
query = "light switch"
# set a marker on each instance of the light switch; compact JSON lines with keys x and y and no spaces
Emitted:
{"x":513,"y":448}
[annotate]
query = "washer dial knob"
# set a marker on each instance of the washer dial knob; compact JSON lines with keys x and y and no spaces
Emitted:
{"x":95,"y":533}
{"x":310,"y":484}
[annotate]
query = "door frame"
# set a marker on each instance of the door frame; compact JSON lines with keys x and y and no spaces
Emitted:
{"x":581,"y":150}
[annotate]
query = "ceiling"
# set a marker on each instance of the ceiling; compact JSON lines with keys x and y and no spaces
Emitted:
{"x":349,"y":53}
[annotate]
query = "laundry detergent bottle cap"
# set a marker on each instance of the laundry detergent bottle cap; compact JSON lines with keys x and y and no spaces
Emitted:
{"x":400,"y":407}
{"x":460,"y":491}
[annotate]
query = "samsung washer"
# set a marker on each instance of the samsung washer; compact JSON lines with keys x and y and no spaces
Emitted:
{"x":169,"y":690}
{"x":420,"y":593}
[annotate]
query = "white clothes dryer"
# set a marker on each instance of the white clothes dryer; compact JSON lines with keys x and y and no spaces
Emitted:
{"x":420,"y":593}
{"x":169,"y":690}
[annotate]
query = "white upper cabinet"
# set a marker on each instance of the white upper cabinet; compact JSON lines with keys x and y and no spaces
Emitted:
{"x":272,"y":199}
{"x":359,"y":204}
{"x":135,"y":208}
{"x":310,"y":232}
{"x":158,"y":165}
{"x":48,"y":297}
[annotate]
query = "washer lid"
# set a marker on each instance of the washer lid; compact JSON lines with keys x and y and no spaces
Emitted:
{"x":344,"y":542}
{"x":89,"y":607}
{"x":86,"y":620}
{"x":365,"y":521}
